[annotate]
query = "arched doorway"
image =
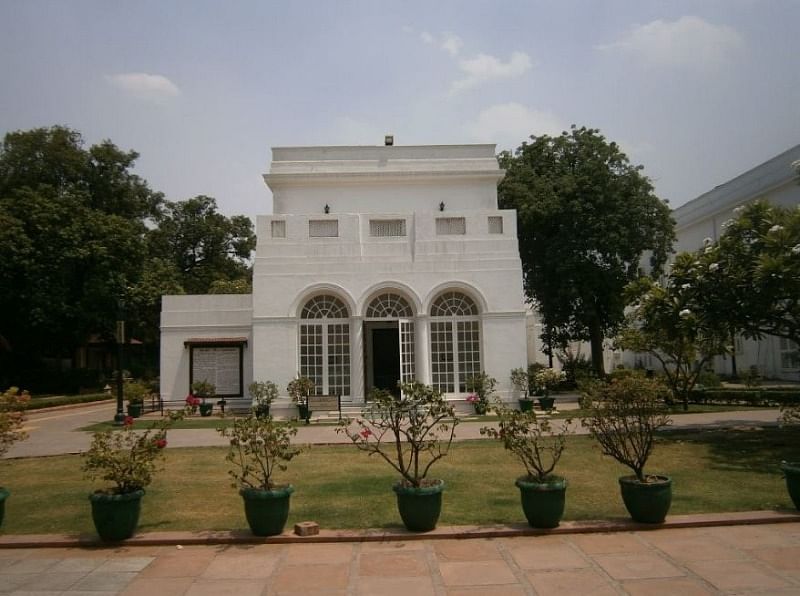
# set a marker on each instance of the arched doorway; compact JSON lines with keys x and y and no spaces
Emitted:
{"x":388,"y":342}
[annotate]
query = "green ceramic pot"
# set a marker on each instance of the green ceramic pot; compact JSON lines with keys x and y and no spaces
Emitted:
{"x":116,"y":517}
{"x":266,"y":510}
{"x":647,"y":502}
{"x":791,"y":471}
{"x":543,"y":502}
{"x":4,"y":493}
{"x":419,"y":507}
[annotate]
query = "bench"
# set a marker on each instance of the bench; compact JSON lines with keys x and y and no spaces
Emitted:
{"x":323,"y":403}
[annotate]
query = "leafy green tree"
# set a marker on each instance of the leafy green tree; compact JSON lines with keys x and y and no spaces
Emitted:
{"x":202,"y":244}
{"x":71,"y":238}
{"x":586,"y":217}
{"x":750,"y":277}
{"x":666,"y":322}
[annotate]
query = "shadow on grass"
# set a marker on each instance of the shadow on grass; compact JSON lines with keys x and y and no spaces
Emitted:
{"x":756,"y":450}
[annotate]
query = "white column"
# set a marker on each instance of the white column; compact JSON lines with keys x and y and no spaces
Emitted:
{"x":357,"y":360}
{"x":422,"y":349}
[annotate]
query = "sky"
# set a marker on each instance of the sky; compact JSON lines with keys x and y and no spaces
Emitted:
{"x":696,"y":92}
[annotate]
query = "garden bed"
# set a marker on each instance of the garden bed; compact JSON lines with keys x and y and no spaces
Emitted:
{"x":713,"y":471}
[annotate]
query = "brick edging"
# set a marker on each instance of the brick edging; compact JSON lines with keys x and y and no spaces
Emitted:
{"x":399,"y":534}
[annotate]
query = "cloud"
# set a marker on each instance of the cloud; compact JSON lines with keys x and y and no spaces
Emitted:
{"x":484,"y":68}
{"x":150,"y":87}
{"x":689,"y":41}
{"x":451,"y":43}
{"x":508,"y":124}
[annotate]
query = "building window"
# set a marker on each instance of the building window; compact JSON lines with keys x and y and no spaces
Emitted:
{"x":387,"y":227}
{"x":455,"y":342}
{"x":789,"y":355}
{"x":325,"y":345}
{"x":389,"y":306}
{"x":495,"y":224}
{"x":446,"y":226}
{"x":278,"y":228}
{"x":323,"y":228}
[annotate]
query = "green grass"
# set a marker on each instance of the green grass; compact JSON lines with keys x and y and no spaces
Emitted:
{"x":340,"y":487}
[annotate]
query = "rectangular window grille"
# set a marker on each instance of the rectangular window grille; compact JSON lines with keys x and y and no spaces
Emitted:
{"x":446,"y":226}
{"x":407,"y":372}
{"x":469,"y":352}
{"x":278,"y":228}
{"x":311,"y":354}
{"x":789,"y":355}
{"x":495,"y":225}
{"x":339,"y":359}
{"x":442,"y":365}
{"x":387,"y":227}
{"x":323,"y":228}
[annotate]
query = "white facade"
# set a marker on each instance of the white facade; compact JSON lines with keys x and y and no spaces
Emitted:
{"x":378,"y":263}
{"x":774,"y":181}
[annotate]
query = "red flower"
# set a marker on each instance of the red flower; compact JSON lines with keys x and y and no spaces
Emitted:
{"x":161,"y":443}
{"x":128,"y":420}
{"x":365,"y":433}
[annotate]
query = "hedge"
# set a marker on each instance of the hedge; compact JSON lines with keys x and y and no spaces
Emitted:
{"x":751,"y":397}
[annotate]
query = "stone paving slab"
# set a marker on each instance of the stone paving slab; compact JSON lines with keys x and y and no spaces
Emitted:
{"x":740,"y":559}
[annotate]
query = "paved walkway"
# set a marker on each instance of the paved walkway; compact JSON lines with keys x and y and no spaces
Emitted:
{"x":55,"y":432}
{"x":763,"y":559}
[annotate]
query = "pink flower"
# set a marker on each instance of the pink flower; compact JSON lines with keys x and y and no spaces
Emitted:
{"x":365,"y":433}
{"x":473,"y":399}
{"x":161,"y":443}
{"x":128,"y":420}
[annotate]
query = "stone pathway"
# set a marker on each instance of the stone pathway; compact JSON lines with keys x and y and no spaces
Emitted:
{"x":760,"y":559}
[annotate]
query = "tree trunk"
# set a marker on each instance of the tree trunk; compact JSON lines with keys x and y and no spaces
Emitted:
{"x":734,"y":372}
{"x":596,"y":335}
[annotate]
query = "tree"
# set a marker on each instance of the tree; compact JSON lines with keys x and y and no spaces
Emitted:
{"x":71,"y":238}
{"x":666,"y":321}
{"x":750,"y":277}
{"x":586,"y":217}
{"x":203,"y":245}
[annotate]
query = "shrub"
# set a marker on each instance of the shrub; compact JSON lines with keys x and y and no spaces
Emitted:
{"x":135,"y":391}
{"x":410,"y":433}
{"x":299,"y":389}
{"x":624,"y":416}
{"x":258,"y":445}
{"x":482,"y":388}
{"x":263,"y":394}
{"x":125,"y":458}
{"x":532,"y":440}
{"x":12,"y":417}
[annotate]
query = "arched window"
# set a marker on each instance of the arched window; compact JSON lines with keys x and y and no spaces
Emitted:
{"x":455,"y":341}
{"x":389,"y":306}
{"x":325,"y":345}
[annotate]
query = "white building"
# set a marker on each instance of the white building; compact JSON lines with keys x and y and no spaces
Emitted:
{"x":377,"y":264}
{"x":774,"y":181}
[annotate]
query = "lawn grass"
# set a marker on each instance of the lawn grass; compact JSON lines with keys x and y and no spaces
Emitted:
{"x":339,"y":487}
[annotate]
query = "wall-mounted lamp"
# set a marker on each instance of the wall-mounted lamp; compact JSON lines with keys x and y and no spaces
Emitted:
{"x":388,"y":140}
{"x":327,"y":209}
{"x":441,"y":206}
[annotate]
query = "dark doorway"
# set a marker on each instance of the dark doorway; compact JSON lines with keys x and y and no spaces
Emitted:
{"x":386,"y":359}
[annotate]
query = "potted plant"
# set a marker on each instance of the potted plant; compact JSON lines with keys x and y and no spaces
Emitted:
{"x":299,"y":389}
{"x":520,"y":382}
{"x":203,"y":389}
{"x":546,"y":380}
{"x":12,"y":417}
{"x":624,"y":416}
{"x":259,"y":445}
{"x":263,"y":394}
{"x":410,"y":433}
{"x":538,"y":446}
{"x":481,"y":387}
{"x":129,"y":461}
{"x":790,"y":414}
{"x":135,"y":392}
